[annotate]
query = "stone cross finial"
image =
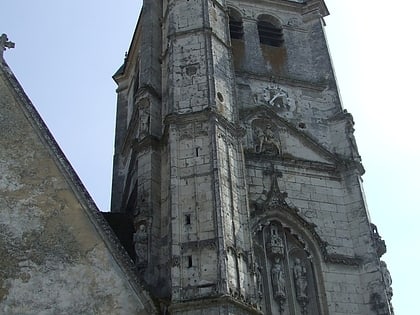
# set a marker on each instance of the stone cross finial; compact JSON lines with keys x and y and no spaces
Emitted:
{"x":5,"y":43}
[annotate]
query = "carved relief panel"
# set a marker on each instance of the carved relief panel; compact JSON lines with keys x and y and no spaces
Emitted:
{"x":266,"y":137}
{"x":284,"y":272}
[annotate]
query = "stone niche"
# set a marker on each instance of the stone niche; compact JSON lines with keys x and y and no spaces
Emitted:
{"x":284,"y":272}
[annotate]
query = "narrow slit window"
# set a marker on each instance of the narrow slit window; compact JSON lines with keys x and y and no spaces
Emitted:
{"x":188,"y":219}
{"x":189,"y":261}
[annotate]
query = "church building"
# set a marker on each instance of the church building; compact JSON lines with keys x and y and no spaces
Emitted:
{"x":236,"y":183}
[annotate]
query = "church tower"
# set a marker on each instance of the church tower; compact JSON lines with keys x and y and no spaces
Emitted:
{"x":236,"y":164}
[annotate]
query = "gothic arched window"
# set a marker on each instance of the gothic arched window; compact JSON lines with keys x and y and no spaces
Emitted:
{"x":270,"y":31}
{"x":235,"y":24}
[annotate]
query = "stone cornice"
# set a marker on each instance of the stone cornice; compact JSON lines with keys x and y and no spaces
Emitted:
{"x":288,"y":81}
{"x":305,"y":7}
{"x":342,"y":259}
{"x":207,"y":114}
{"x":216,"y":299}
{"x":291,"y":162}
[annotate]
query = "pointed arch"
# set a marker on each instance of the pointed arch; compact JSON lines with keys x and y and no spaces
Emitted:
{"x":289,"y":256}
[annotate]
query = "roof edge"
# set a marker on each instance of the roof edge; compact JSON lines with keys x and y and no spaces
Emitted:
{"x":92,"y":211}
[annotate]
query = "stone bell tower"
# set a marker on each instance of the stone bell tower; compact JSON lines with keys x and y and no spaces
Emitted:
{"x":236,"y":165}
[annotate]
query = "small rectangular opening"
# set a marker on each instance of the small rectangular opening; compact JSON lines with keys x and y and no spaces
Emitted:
{"x":188,"y":219}
{"x":189,"y":261}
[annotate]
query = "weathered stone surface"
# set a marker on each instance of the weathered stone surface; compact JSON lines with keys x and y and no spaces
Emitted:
{"x":251,"y":186}
{"x":234,"y":161}
{"x":56,"y":253}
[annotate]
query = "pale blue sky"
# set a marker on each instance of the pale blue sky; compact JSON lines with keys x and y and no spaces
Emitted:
{"x":66,"y":52}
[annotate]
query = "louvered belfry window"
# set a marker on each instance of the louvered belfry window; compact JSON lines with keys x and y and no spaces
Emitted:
{"x":270,"y":34}
{"x":235,"y":25}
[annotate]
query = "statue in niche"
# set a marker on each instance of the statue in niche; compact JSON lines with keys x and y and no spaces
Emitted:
{"x":140,"y":239}
{"x":301,"y":283}
{"x":275,"y":245}
{"x":278,"y":281}
{"x":266,"y":137}
{"x":144,"y":123}
{"x":258,"y":280}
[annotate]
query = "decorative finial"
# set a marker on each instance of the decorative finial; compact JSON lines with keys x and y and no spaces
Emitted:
{"x":5,"y":43}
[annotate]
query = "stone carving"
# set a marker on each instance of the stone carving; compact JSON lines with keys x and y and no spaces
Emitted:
{"x":285,"y":274}
{"x":293,"y":22}
{"x":278,"y":281}
{"x":140,"y":239}
{"x":276,"y":97}
{"x":258,"y":281}
{"x":176,"y":261}
{"x":275,"y":244}
{"x":378,"y":242}
{"x":301,"y":284}
{"x":144,"y":124}
{"x":387,"y":280}
{"x":5,"y":43}
{"x":350,"y":135}
{"x":267,"y":139}
{"x":274,"y":199}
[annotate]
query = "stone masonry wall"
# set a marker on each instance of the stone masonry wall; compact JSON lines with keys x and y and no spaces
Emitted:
{"x":53,"y":260}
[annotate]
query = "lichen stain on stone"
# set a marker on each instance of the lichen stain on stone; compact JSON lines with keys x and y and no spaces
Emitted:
{"x":66,"y":278}
{"x":238,"y":51}
{"x":8,"y":263}
{"x":275,"y":57}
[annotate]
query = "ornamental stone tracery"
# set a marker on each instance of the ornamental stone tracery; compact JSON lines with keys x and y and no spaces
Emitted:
{"x":284,"y":272}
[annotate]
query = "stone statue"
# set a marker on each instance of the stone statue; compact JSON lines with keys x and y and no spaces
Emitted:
{"x":140,"y":239}
{"x":258,"y":280}
{"x":301,"y":284}
{"x":144,"y":124}
{"x":278,"y":281}
{"x":267,"y":136}
{"x":276,"y":246}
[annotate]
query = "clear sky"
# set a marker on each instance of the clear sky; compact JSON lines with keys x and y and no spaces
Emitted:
{"x":66,"y":52}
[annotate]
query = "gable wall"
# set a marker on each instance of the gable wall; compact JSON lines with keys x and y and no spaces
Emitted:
{"x":53,"y":260}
